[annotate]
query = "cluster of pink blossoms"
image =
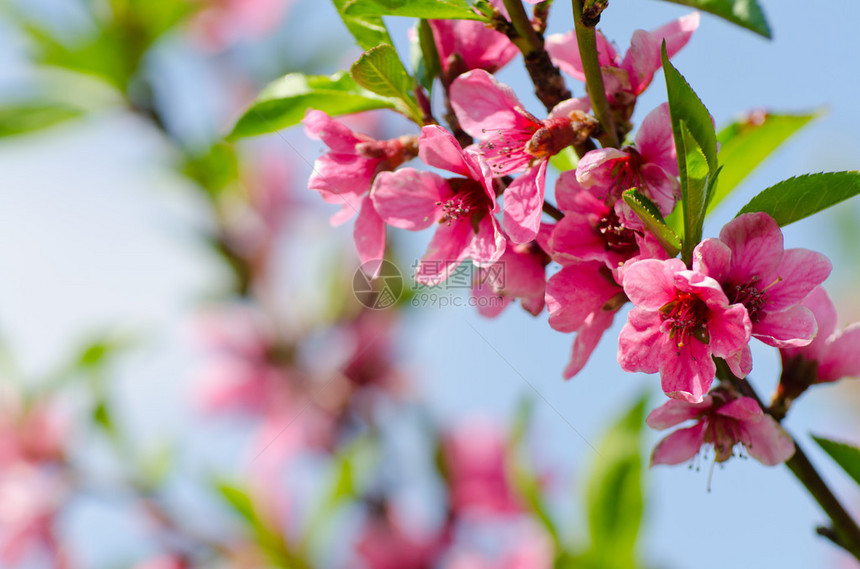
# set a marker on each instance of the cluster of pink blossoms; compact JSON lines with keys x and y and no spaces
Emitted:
{"x":684,"y":317}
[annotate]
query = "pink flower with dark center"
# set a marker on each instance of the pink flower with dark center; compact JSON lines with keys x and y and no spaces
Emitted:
{"x":681,"y":318}
{"x":344,"y":176}
{"x":519,"y":273}
{"x":722,"y":419}
{"x":650,"y":166}
{"x":832,"y":354}
{"x":464,"y":207}
{"x":514,"y":140}
{"x":465,"y":44}
{"x":625,"y":78}
{"x":592,"y":230}
{"x":749,"y":262}
{"x":583,"y":297}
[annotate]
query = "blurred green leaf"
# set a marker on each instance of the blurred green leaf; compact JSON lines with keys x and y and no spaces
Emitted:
{"x":745,"y":13}
{"x":368,"y":31}
{"x":696,"y":144}
{"x":425,"y":57}
{"x":747,"y":143}
{"x":32,"y":117}
{"x":380,"y":70}
{"x":614,"y":499}
{"x":214,"y":170}
{"x":283,"y":102}
{"x":845,"y":455}
{"x":796,"y":198}
{"x":429,"y":9}
{"x":653,"y":220}
{"x":564,"y":160}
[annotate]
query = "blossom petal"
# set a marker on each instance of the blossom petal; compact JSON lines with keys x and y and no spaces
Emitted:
{"x":576,"y":291}
{"x":686,"y":372}
{"x":335,"y":135}
{"x":438,"y":148}
{"x":640,"y":340}
{"x":793,"y":327}
{"x":448,"y":248}
{"x":680,"y":446}
{"x":756,"y":244}
{"x":674,"y":412}
{"x":487,"y":243}
{"x":841,"y":356}
{"x":565,"y":108}
{"x":766,"y":441}
{"x":587,"y":338}
{"x":729,"y":330}
{"x":800,"y":272}
{"x":650,"y":283}
{"x":713,"y":258}
{"x":407,"y":198}
{"x":483,"y":104}
{"x":743,"y":409}
{"x":643,"y":57}
{"x":655,"y":141}
{"x":369,"y":233}
{"x":524,"y":204}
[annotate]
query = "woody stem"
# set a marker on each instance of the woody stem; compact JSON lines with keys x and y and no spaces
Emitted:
{"x":844,"y":531}
{"x":587,"y":43}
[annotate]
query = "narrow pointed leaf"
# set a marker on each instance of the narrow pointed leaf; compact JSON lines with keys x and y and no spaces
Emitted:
{"x":425,"y":57}
{"x":696,"y":145}
{"x":796,"y":198}
{"x":368,"y":31}
{"x":744,"y":13}
{"x":430,"y":9}
{"x":653,"y":220}
{"x":845,"y":455}
{"x":746,"y":143}
{"x":283,"y":102}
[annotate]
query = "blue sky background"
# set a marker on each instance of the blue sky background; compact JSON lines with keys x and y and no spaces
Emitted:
{"x":92,"y":235}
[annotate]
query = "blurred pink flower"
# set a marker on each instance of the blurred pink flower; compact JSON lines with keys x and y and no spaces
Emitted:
{"x":749,"y":262}
{"x":464,"y":45}
{"x":531,"y":548}
{"x":722,"y":420}
{"x":222,"y":23}
{"x":164,"y":562}
{"x":833,"y":354}
{"x":680,"y":319}
{"x":476,"y":456}
{"x":384,"y":543}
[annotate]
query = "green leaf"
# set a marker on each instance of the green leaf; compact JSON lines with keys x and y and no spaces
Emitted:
{"x":615,"y":501}
{"x":650,"y":215}
{"x":430,"y":9}
{"x":425,"y":57}
{"x":746,"y":143}
{"x":564,"y":160}
{"x":845,"y":455}
{"x":368,"y":31}
{"x":696,"y":145}
{"x":32,"y":117}
{"x":380,"y":70}
{"x":283,"y":102}
{"x":796,"y":198}
{"x":745,"y":13}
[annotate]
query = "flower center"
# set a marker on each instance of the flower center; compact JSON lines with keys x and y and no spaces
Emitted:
{"x":627,"y":171}
{"x":469,"y":200}
{"x":686,"y":317}
{"x":616,"y":236}
{"x":753,"y":299}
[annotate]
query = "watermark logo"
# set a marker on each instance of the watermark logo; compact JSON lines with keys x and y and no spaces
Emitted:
{"x":377,"y":284}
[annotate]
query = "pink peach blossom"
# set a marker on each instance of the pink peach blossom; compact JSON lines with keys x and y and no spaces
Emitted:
{"x":384,"y":543}
{"x":749,"y":262}
{"x":833,"y":353}
{"x":650,"y":166}
{"x":514,"y":140}
{"x":625,"y":78}
{"x":464,"y":207}
{"x":464,"y":45}
{"x":681,"y":318}
{"x":344,"y":176}
{"x":519,"y":273}
{"x":722,"y":419}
